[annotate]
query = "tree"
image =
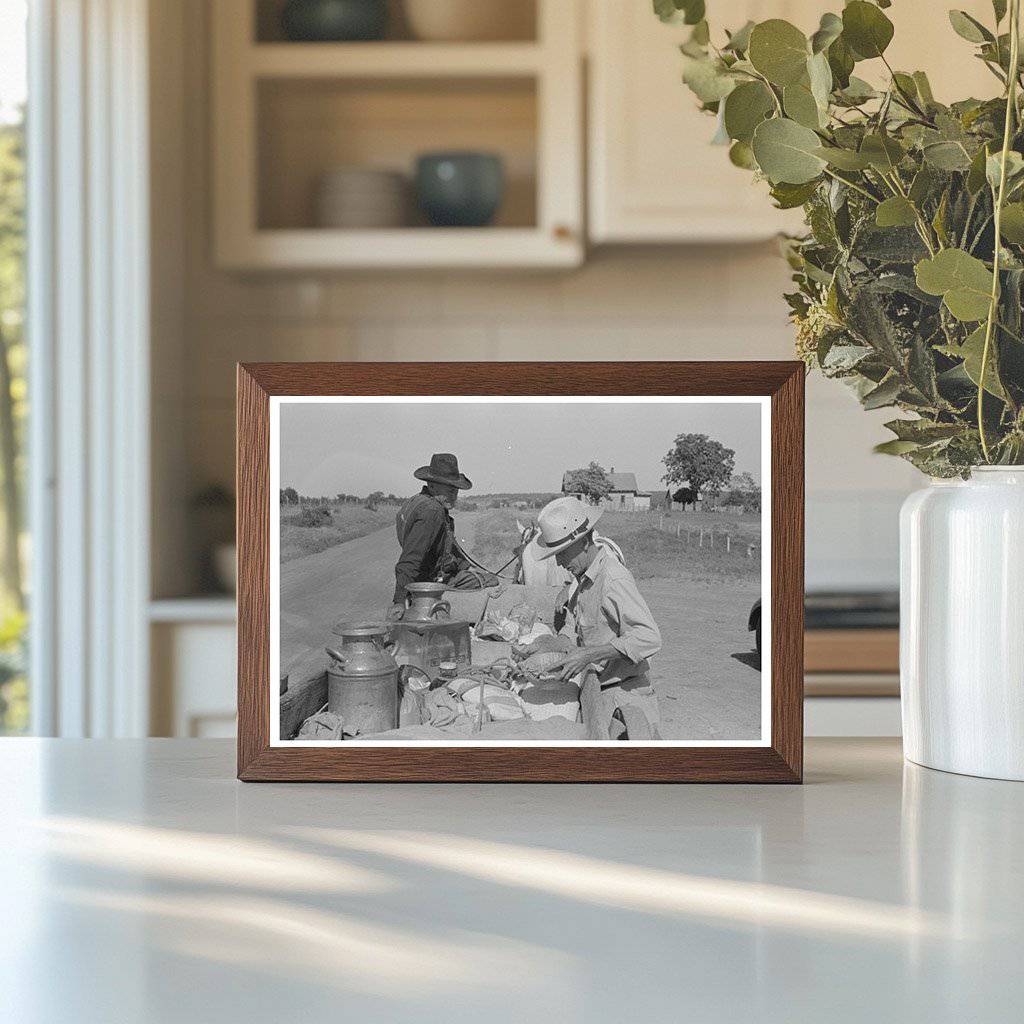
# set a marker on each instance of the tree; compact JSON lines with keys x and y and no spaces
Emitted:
{"x":699,"y":462}
{"x":592,"y":482}
{"x":744,"y":491}
{"x":290,"y":496}
{"x":12,"y":348}
{"x":374,"y":499}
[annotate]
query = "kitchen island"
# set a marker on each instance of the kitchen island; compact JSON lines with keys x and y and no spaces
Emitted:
{"x":141,"y":882}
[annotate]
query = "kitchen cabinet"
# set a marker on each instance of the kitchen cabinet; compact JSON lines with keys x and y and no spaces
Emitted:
{"x":287,"y":114}
{"x":654,"y":177}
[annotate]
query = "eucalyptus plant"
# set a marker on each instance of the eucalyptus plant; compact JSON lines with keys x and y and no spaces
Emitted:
{"x":910,"y":277}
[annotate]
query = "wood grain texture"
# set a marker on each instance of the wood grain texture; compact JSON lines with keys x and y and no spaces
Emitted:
{"x":780,"y":762}
{"x":852,"y":650}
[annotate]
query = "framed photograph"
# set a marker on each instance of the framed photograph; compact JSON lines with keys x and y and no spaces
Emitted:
{"x":572,"y":572}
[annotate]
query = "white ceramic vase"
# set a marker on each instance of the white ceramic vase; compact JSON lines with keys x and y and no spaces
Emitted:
{"x":962,"y":624}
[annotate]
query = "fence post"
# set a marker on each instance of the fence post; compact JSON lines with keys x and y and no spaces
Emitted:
{"x":702,"y":536}
{"x":728,"y":542}
{"x":661,"y":522}
{"x":712,"y":536}
{"x":678,"y":528}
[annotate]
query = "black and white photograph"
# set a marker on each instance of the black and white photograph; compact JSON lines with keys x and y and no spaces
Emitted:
{"x":505,"y":571}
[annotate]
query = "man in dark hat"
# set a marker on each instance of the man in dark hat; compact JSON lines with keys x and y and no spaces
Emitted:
{"x":426,"y":530}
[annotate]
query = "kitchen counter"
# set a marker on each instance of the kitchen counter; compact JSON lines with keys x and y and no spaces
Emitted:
{"x":140,"y":882}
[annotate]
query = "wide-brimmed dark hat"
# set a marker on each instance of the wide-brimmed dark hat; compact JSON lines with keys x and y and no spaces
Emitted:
{"x":443,"y":469}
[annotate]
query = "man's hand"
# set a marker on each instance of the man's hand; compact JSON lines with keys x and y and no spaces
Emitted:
{"x":583,"y":657}
{"x":394,"y":613}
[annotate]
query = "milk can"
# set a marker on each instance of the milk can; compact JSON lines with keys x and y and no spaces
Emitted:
{"x":423,"y":602}
{"x":362,"y":681}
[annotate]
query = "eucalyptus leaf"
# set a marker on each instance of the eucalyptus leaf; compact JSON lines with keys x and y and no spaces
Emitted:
{"x":895,"y":447}
{"x":947,"y":156}
{"x":922,"y":431}
{"x":741,"y":155}
{"x":788,"y":196}
{"x":857,"y":91}
{"x":883,"y":152}
{"x":922,"y":185}
{"x":866,"y":29}
{"x":745,"y":108}
{"x":895,"y":212}
{"x":844,"y":159}
{"x":969,"y":28}
{"x":971,"y":351}
{"x":801,"y":106}
{"x":999,"y":9}
{"x":1012,"y":223}
{"x":779,"y":51}
{"x":708,"y":80}
{"x":841,"y":62}
{"x":905,"y":84}
{"x":883,"y":395}
{"x":993,"y":167}
{"x":829,"y":30}
{"x":739,"y":41}
{"x":787,"y":152}
{"x":690,"y":12}
{"x":976,"y":174}
{"x":963,"y":281}
{"x":819,"y":75}
{"x":924,"y":87}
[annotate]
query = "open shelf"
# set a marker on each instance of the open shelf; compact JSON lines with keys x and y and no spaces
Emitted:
{"x":287,"y":114}
{"x":390,"y":60}
{"x":309,"y":127}
{"x":520,"y":23}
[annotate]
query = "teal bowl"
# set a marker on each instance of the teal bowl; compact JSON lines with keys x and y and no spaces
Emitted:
{"x":460,"y":189}
{"x":334,"y":21}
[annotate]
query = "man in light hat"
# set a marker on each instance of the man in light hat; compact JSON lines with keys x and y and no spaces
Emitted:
{"x":426,"y":530}
{"x":615,"y":631}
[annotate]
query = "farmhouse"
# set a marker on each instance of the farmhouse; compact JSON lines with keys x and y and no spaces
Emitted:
{"x":624,"y":496}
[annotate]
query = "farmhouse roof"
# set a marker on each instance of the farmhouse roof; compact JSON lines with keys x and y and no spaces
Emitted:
{"x":621,"y":482}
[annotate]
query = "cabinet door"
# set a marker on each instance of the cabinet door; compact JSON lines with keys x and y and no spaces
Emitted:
{"x":654,"y":176}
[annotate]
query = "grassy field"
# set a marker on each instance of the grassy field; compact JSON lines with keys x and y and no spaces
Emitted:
{"x":347,"y":522}
{"x":495,"y":535}
{"x":651,"y":553}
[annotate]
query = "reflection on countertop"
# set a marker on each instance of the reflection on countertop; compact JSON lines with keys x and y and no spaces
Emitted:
{"x":146,"y":884}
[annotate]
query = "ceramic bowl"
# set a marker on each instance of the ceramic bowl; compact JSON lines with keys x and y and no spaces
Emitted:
{"x":334,"y":21}
{"x":470,"y":20}
{"x":459,"y":189}
{"x":359,"y":197}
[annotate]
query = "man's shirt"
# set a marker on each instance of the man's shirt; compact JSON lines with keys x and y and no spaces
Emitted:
{"x":426,"y":532}
{"x":606,"y":608}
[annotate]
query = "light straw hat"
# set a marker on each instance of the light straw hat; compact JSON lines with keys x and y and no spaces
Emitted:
{"x":562,"y":522}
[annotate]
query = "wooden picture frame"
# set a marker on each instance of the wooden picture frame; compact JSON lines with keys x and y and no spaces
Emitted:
{"x":780,"y":759}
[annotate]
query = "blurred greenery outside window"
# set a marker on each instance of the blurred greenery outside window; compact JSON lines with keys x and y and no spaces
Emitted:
{"x":14,"y":538}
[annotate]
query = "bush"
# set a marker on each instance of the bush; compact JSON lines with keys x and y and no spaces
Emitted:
{"x":314,"y":515}
{"x":468,"y":506}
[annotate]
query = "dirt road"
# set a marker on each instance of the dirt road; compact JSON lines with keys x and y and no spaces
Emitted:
{"x":707,"y":676}
{"x":354,"y":580}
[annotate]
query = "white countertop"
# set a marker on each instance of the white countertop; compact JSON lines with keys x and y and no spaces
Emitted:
{"x":140,"y":882}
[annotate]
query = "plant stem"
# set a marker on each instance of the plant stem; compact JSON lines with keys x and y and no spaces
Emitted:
{"x":1011,"y":107}
{"x":853,"y":185}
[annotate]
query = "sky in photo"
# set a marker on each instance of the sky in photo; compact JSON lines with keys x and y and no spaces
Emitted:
{"x":329,"y":448}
